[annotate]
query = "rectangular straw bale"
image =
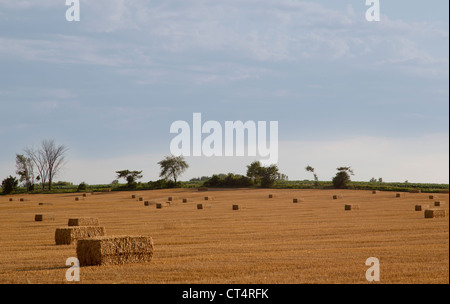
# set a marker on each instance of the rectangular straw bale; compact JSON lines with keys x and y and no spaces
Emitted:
{"x":22,"y":199}
{"x":235,"y":207}
{"x":185,"y":200}
{"x":351,"y":207}
{"x":294,"y":200}
{"x":270,"y":195}
{"x":374,"y":191}
{"x":207,"y":198}
{"x":10,"y":199}
{"x":438,"y":203}
{"x":338,"y":196}
{"x":431,"y":197}
{"x":199,"y":206}
{"x":421,"y":207}
{"x":114,"y":250}
{"x":133,"y":196}
{"x":141,"y":198}
{"x":83,"y":221}
{"x":84,"y":194}
{"x":169,"y":198}
{"x":77,"y":198}
{"x":431,"y":213}
{"x":44,"y":217}
{"x":398,"y":195}
{"x":146,"y":203}
{"x":158,"y":206}
{"x":68,"y":235}
{"x":45,"y":204}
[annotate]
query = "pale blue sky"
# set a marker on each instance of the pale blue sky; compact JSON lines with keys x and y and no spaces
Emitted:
{"x":371,"y":95}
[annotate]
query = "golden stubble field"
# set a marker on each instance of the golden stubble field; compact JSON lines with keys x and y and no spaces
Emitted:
{"x":266,"y":241}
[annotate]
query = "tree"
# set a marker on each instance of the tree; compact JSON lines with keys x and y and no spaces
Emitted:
{"x":342,"y":178}
{"x":316,"y":179}
{"x":49,"y":160}
{"x":9,"y":185}
{"x":172,"y":167}
{"x":25,"y":169}
{"x":269,"y":176}
{"x":130,"y":177}
{"x":254,"y":171}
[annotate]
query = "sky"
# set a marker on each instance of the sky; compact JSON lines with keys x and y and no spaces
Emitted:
{"x":344,"y":91}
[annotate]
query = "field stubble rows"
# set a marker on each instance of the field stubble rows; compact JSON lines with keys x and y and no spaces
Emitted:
{"x":265,"y":241}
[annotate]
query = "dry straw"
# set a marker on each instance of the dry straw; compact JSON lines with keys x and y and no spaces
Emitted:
{"x":169,"y":198}
{"x":338,"y":196}
{"x":10,"y":199}
{"x":185,"y":200}
{"x":84,"y":194}
{"x":68,"y":235}
{"x":431,"y":213}
{"x":83,"y":221}
{"x":438,"y":203}
{"x":45,"y":204}
{"x":431,"y":197}
{"x":115,"y":250}
{"x":421,"y":207}
{"x":374,"y":191}
{"x":133,"y":196}
{"x":146,"y":203}
{"x":398,"y":195}
{"x":351,"y":207}
{"x":44,"y":217}
{"x":235,"y":207}
{"x":77,"y":198}
{"x":207,"y":198}
{"x":199,"y":206}
{"x":22,"y":199}
{"x":158,"y":206}
{"x":270,"y":196}
{"x":141,"y":198}
{"x":294,"y":200}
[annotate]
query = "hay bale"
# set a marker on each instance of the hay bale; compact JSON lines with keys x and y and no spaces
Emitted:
{"x":398,"y":195}
{"x":185,"y":200}
{"x":77,"y":198}
{"x":207,"y":198}
{"x":68,"y":235}
{"x":438,"y":203}
{"x":431,"y":213}
{"x":141,"y":198}
{"x":158,"y":206}
{"x":45,"y":204}
{"x":374,"y":191}
{"x":44,"y":217}
{"x":420,"y":207}
{"x":415,"y":191}
{"x":202,"y":189}
{"x":84,"y":221}
{"x":338,"y":196}
{"x":270,"y":195}
{"x":169,"y":198}
{"x":22,"y":199}
{"x":199,"y":206}
{"x":294,"y":200}
{"x":115,"y":250}
{"x":431,"y":197}
{"x":133,"y":196}
{"x":10,"y":199}
{"x":235,"y":207}
{"x":84,"y":194}
{"x":351,"y":207}
{"x":146,"y":203}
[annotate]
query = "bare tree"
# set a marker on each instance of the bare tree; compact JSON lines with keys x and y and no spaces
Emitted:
{"x":55,"y":159}
{"x":38,"y":158}
{"x":49,"y":160}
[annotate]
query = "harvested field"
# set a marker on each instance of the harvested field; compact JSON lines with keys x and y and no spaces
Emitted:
{"x":271,"y":241}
